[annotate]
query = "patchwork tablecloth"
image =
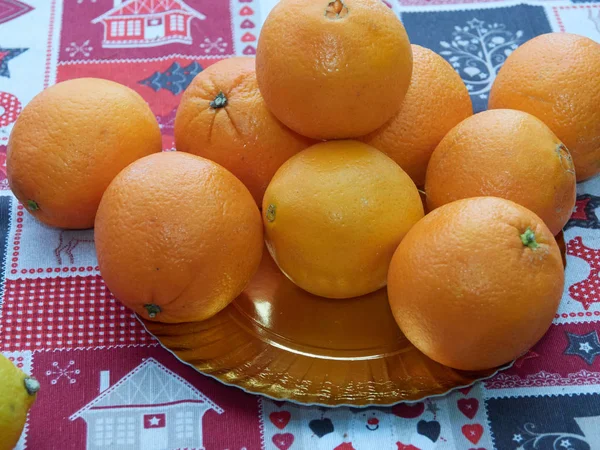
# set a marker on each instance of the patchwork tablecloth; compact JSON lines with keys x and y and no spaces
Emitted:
{"x":107,"y":384}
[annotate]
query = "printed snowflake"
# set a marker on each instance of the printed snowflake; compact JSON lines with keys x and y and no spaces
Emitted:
{"x":74,"y":49}
{"x":67,"y":372}
{"x":477,"y":51}
{"x":218,"y":46}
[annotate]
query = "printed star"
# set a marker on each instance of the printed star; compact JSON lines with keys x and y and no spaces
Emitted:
{"x":433,"y":408}
{"x":584,"y":214}
{"x":565,"y":443}
{"x":154,"y":421}
{"x":6,"y":54}
{"x":517,"y":438}
{"x":475,"y":23}
{"x":586,"y":346}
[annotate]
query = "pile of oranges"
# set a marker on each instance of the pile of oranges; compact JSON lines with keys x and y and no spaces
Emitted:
{"x":331,"y":147}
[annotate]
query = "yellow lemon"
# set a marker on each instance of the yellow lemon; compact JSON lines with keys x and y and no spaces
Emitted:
{"x":17,"y":393}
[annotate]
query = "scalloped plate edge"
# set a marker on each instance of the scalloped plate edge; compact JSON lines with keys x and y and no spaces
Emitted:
{"x":322,"y":405}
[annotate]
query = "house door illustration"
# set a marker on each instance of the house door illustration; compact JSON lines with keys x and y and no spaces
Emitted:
{"x":154,"y":432}
{"x":154,"y":29}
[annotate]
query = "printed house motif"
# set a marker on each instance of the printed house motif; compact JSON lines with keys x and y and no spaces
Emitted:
{"x":150,"y":408}
{"x":147,"y":23}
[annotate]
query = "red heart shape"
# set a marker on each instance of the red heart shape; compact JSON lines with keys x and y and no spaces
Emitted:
{"x":465,"y":391}
{"x":408,"y":411}
{"x":402,"y":446}
{"x":279,"y":403}
{"x":247,"y":24}
{"x":249,"y":50}
{"x":246,"y":11}
{"x":283,"y":441}
{"x":248,"y":37}
{"x":280,"y":419}
{"x":344,"y":446}
{"x":472,"y":432}
{"x":468,"y":406}
{"x":478,"y":448}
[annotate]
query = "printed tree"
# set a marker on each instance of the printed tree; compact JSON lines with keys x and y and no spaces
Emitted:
{"x":477,"y":51}
{"x":175,"y":79}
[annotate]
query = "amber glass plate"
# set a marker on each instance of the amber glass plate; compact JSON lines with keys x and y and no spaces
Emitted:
{"x":279,"y":341}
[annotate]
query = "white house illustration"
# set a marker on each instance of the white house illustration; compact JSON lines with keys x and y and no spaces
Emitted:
{"x":150,"y":408}
{"x":147,"y":23}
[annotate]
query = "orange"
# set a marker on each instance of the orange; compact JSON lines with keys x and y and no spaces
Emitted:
{"x":509,"y":154}
{"x":69,"y":143}
{"x":223,"y":117}
{"x":436,"y":101}
{"x":178,"y":237}
{"x":334,"y":214}
{"x":333,"y":70}
{"x":555,"y":77}
{"x":476,"y":283}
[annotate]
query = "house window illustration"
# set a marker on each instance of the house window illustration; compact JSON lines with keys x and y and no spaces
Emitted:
{"x":117,"y":28}
{"x":176,"y":22}
{"x":147,"y":23}
{"x":134,"y":28}
{"x":184,"y":424}
{"x":129,"y":416}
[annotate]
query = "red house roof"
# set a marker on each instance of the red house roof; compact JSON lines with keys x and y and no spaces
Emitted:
{"x":131,"y":8}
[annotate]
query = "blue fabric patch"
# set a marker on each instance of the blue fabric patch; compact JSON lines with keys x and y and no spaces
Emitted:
{"x":476,"y":41}
{"x":556,"y":422}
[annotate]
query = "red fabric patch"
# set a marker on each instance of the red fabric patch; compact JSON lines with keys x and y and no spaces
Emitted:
{"x":65,"y":313}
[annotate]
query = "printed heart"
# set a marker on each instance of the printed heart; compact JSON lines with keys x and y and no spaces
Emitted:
{"x":280,"y":419}
{"x":430,"y":429}
{"x":279,"y":403}
{"x":344,"y":446}
{"x":465,"y":391}
{"x":246,"y":11}
{"x":471,"y":71}
{"x":402,"y":446}
{"x":247,"y":24}
{"x":248,"y":37}
{"x":468,"y":406}
{"x":283,"y":441}
{"x":245,"y":1}
{"x":408,"y":411}
{"x":249,"y":50}
{"x":321,"y":427}
{"x":472,"y":432}
{"x":478,"y":448}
